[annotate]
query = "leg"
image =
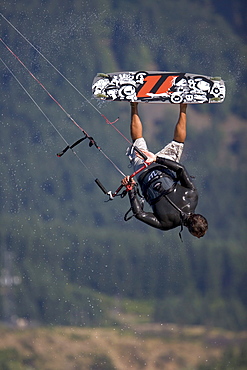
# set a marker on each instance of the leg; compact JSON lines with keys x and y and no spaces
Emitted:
{"x":136,"y":125}
{"x":180,"y":129}
{"x":174,"y":149}
{"x":136,"y":133}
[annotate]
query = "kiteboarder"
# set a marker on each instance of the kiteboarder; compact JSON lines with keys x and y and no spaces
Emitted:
{"x":165,"y":183}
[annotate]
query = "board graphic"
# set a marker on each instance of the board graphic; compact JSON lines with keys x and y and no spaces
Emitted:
{"x":158,"y":87}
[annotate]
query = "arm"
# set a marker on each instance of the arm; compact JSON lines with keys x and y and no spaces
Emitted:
{"x":180,"y":171}
{"x":146,"y":217}
{"x":136,"y":207}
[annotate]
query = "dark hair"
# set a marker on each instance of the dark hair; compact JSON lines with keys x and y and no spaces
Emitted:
{"x":197,"y":225}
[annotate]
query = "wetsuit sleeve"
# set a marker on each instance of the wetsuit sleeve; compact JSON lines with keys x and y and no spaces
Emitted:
{"x":146,"y":217}
{"x":182,"y":174}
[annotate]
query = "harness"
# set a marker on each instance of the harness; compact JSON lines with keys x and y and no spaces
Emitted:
{"x":157,"y":182}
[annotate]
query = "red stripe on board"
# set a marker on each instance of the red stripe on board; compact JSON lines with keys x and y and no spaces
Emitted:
{"x":150,"y":82}
{"x":167,"y":84}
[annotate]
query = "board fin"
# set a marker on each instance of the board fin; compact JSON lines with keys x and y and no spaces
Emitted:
{"x":101,"y":96}
{"x":215,"y":78}
{"x":103,"y":75}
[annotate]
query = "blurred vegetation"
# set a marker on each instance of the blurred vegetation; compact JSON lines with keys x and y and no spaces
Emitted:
{"x":73,"y":252}
{"x":233,"y":358}
{"x":113,"y":348}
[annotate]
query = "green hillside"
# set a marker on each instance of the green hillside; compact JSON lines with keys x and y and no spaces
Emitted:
{"x":72,"y":252}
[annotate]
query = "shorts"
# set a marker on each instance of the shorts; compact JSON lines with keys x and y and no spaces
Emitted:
{"x":172,"y":151}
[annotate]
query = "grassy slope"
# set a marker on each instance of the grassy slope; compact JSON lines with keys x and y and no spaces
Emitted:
{"x":137,"y":346}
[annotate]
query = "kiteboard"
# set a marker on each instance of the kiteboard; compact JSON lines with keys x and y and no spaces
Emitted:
{"x":158,"y":87}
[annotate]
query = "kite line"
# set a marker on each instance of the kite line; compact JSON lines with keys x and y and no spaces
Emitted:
{"x":86,"y":135}
{"x":66,"y":79}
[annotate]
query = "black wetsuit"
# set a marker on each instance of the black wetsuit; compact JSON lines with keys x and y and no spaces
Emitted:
{"x":161,"y":180}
